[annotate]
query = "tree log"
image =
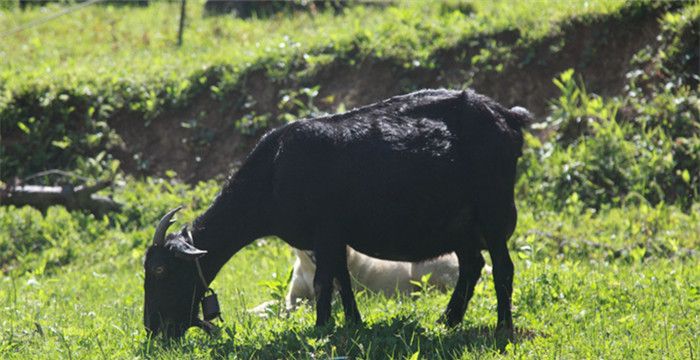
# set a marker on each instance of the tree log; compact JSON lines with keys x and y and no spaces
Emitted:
{"x":80,"y":197}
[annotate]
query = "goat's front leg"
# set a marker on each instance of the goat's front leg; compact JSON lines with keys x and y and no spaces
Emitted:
{"x":331,"y":262}
{"x":323,"y":285}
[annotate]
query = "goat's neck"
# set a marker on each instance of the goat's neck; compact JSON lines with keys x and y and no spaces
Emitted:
{"x":231,"y":223}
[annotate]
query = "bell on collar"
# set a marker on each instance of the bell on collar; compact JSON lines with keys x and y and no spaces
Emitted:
{"x":210,"y":306}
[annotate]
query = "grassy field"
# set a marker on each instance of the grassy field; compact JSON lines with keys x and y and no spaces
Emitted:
{"x":605,"y":251}
{"x":615,"y":283}
{"x":636,"y":295}
{"x":94,"y":48}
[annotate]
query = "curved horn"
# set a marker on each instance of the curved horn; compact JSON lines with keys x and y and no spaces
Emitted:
{"x":163,"y":225}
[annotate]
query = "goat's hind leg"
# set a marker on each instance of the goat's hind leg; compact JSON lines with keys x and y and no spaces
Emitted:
{"x":496,"y":233}
{"x":470,"y":264}
{"x":503,"y":282}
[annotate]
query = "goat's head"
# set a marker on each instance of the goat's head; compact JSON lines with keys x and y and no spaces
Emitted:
{"x":172,"y":287}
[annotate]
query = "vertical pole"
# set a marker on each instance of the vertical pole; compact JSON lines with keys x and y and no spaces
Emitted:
{"x":182,"y":23}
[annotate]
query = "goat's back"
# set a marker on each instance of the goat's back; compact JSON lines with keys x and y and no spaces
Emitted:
{"x":402,"y":179}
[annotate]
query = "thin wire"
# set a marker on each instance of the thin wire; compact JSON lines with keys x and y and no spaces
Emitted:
{"x":56,"y":172}
{"x":201,"y":276}
{"x":41,"y":21}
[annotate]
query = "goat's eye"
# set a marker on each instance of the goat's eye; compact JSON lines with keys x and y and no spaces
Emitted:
{"x":159,"y":271}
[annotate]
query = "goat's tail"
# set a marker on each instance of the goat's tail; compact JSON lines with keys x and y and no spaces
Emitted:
{"x":518,"y":117}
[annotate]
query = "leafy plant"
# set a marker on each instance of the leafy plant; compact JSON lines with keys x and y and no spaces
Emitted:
{"x":298,"y":104}
{"x":574,"y":111}
{"x":605,"y":157}
{"x":422,"y":286}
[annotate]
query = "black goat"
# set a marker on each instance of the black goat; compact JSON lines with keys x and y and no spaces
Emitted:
{"x":409,"y":178}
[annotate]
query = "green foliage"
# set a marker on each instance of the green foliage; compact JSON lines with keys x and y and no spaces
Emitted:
{"x":609,"y":224}
{"x":644,"y":145}
{"x":422,"y":286}
{"x":574,"y":293}
{"x":52,"y":128}
{"x":611,"y":163}
{"x":574,"y":111}
{"x":293,"y":104}
{"x":37,"y":242}
{"x":605,"y":235}
{"x":62,"y":82}
{"x":663,"y":94}
{"x":277,"y":288}
{"x":299,"y":104}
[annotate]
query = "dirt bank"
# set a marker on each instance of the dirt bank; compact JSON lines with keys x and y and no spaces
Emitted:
{"x":201,"y":141}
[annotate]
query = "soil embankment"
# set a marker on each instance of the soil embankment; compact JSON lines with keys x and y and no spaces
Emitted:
{"x":599,"y":50}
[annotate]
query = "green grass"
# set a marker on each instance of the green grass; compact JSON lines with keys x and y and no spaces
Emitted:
{"x":635,"y":294}
{"x":116,"y":59}
{"x":606,"y":248}
{"x":102,"y":45}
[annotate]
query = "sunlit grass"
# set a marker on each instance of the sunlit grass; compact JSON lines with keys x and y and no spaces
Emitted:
{"x":611,"y":282}
{"x":575,"y":301}
{"x":103,"y":44}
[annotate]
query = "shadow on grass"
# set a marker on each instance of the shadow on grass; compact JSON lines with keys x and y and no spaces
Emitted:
{"x":396,"y":338}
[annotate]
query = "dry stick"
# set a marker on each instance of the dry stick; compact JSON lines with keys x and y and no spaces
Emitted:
{"x":55,"y":172}
{"x":80,"y":197}
{"x":182,"y":23}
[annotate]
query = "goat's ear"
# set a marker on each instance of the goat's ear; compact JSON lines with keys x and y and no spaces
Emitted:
{"x":184,"y":250}
{"x":186,"y":234}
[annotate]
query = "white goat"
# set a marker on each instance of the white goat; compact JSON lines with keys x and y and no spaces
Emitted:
{"x":375,"y":275}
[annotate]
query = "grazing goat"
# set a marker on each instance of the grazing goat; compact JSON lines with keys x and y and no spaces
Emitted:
{"x":376,"y":275}
{"x":406,"y":179}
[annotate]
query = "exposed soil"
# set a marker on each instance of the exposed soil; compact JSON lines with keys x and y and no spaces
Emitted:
{"x":599,"y":51}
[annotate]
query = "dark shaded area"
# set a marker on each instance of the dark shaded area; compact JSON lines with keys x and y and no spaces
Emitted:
{"x":23,"y":4}
{"x":397,"y":338}
{"x":262,"y":9}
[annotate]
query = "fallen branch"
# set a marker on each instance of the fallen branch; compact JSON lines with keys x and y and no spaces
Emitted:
{"x":80,"y":197}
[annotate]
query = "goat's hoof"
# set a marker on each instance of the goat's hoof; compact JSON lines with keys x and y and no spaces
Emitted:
{"x":353,"y":322}
{"x":449,"y":321}
{"x":325,"y":324}
{"x":505,"y":333}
